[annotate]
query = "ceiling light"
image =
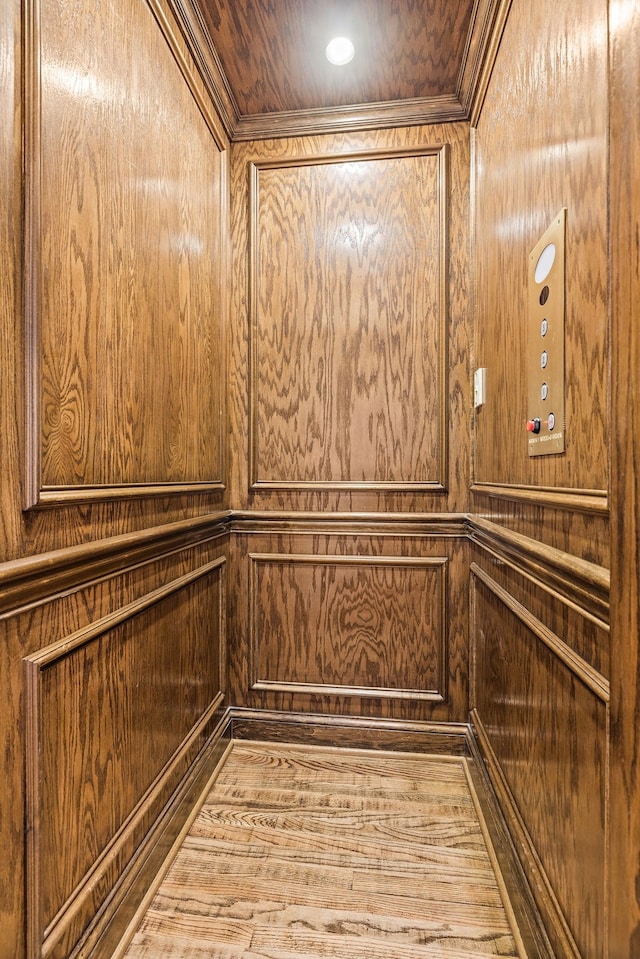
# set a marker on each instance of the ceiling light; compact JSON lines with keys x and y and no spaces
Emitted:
{"x":340,"y":50}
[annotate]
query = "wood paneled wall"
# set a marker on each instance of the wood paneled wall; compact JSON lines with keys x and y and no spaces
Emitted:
{"x":540,"y":645}
{"x":349,"y":410}
{"x":350,"y":623}
{"x":112,"y":340}
{"x":349,"y":346}
{"x":348,"y":321}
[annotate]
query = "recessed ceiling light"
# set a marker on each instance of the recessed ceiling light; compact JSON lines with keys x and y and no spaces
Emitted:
{"x":340,"y":50}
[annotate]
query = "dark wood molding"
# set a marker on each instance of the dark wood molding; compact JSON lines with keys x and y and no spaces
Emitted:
{"x":209,"y":116}
{"x":582,"y":501}
{"x":40,"y":578}
{"x":189,"y":20}
{"x":562,"y":941}
{"x":490,"y":17}
{"x":528,"y":920}
{"x":576,"y":580}
{"x":591,"y":678}
{"x":32,"y":163}
{"x":356,"y":523}
{"x":111,"y":928}
{"x":325,"y":730}
{"x":367,"y":116}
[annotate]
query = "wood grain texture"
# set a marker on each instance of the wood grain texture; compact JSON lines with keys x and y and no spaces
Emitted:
{"x":362,"y":372}
{"x":548,"y":728}
{"x":445,"y":739}
{"x":115,"y":710}
{"x":348,"y":316}
{"x":349,"y":625}
{"x":359,"y":626}
{"x":541,"y":144}
{"x":273,"y":56}
{"x":130,"y":226}
{"x":624,"y":192}
{"x":324,"y":853}
{"x":476,"y":55}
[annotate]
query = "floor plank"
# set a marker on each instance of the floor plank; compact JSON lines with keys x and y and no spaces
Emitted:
{"x":306,"y":852}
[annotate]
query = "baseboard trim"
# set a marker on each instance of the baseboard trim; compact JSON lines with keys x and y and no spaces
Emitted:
{"x":355,"y":732}
{"x":562,"y":942}
{"x":112,"y":921}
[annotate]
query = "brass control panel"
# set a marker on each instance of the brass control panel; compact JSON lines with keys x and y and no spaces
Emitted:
{"x":545,"y":347}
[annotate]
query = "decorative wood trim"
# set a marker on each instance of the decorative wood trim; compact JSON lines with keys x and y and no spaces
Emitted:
{"x":358,"y":116}
{"x":76,"y":495}
{"x":166,"y":28}
{"x":563,"y":943}
{"x":580,"y":668}
{"x":196,"y":36}
{"x":582,"y":501}
{"x":527,"y":918}
{"x":491,"y":24}
{"x":35,"y":493}
{"x":576,"y":581}
{"x":438,"y":694}
{"x":378,"y":524}
{"x":312,"y":728}
{"x":42,"y":941}
{"x":359,"y":692}
{"x":32,"y":163}
{"x":485,"y":31}
{"x":40,"y":578}
{"x":438,"y":485}
{"x":107,"y":932}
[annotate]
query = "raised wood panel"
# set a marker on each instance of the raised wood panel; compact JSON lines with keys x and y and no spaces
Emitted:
{"x":348,"y":320}
{"x":321,"y":425}
{"x":116,"y":712}
{"x":540,"y":145}
{"x":124,"y":258}
{"x":544,"y":713}
{"x":358,"y":626}
{"x":350,"y":624}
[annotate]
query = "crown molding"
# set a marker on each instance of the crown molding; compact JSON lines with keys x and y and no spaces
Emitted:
{"x":485,"y":31}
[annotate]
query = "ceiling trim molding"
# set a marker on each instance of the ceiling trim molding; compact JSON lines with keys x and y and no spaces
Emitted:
{"x":485,"y":32}
{"x":196,"y":36}
{"x":359,"y":116}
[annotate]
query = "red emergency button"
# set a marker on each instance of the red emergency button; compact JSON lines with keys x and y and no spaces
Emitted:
{"x":533,"y":426}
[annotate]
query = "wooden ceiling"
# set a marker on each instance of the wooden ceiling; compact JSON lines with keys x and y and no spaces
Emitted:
{"x":416,"y":61}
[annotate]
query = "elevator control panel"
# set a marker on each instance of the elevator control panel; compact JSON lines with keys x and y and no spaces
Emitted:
{"x":545,"y":422}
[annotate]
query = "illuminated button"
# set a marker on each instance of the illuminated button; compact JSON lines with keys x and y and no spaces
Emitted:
{"x":544,"y":359}
{"x":544,"y":391}
{"x":544,"y":326}
{"x":551,"y":422}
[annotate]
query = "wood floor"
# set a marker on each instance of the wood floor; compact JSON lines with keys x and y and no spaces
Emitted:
{"x":307,"y":852}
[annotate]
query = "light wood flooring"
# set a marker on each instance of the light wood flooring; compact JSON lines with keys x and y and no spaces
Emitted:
{"x":303,"y":851}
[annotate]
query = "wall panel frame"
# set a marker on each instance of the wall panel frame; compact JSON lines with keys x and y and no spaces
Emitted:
{"x":68,"y":678}
{"x":316,"y":424}
{"x":82,"y":418}
{"x":385,"y":616}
